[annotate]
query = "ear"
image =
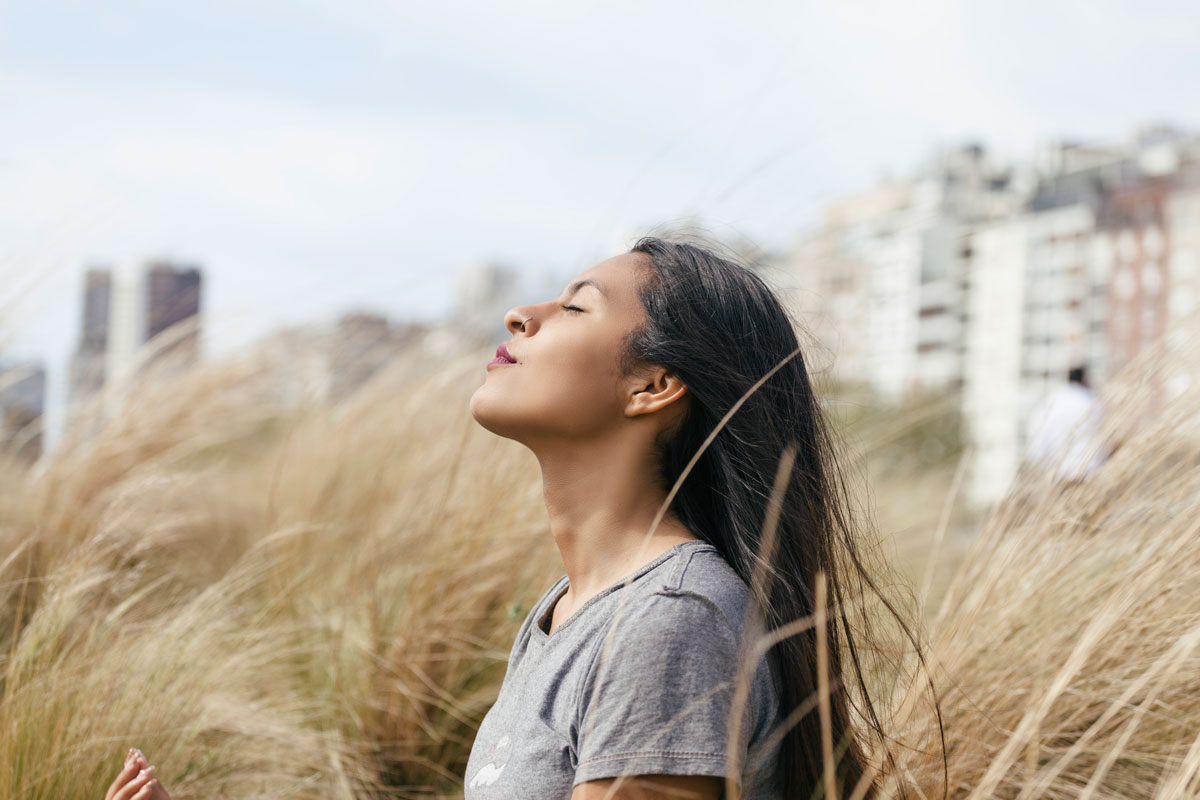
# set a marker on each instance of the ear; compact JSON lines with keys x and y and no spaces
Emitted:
{"x":653,"y":392}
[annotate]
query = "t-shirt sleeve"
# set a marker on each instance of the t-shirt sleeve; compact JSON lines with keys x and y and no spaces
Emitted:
{"x":659,"y":700}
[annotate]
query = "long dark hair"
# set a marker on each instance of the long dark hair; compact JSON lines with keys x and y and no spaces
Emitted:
{"x":715,"y":324}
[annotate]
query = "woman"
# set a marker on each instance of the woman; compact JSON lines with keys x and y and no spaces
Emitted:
{"x":627,"y":666}
{"x":636,"y":667}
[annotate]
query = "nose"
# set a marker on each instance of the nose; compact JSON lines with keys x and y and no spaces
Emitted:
{"x":517,"y":320}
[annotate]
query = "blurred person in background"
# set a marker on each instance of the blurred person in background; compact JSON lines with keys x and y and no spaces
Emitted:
{"x":1064,"y":430}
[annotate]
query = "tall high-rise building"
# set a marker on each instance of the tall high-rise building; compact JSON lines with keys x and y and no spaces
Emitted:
{"x":997,"y":280}
{"x":1182,"y":220}
{"x":1132,"y":236}
{"x":172,"y":296}
{"x":882,"y":283}
{"x":156,"y":303}
{"x":22,"y":406}
{"x":1081,"y":277}
{"x":87,"y":364}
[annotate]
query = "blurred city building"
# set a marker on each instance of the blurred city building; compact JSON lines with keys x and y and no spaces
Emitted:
{"x":995,"y":279}
{"x":172,"y":299}
{"x":134,"y":321}
{"x":485,"y":292}
{"x":318,"y":363}
{"x":1182,"y":219}
{"x":22,"y":408}
{"x":87,"y":366}
{"x":883,"y":281}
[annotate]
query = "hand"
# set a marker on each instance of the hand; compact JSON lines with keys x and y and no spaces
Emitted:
{"x":136,"y":781}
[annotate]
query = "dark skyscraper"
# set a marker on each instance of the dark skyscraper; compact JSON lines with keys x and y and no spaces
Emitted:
{"x":88,"y":362}
{"x":22,"y":404}
{"x":172,"y":296}
{"x":122,"y":311}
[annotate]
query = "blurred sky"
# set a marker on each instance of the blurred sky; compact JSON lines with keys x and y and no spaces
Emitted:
{"x":316,"y":157}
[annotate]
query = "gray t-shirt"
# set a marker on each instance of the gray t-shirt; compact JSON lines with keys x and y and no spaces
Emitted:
{"x":658,"y":701}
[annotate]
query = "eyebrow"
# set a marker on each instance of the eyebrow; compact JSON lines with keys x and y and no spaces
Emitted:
{"x":577,"y":285}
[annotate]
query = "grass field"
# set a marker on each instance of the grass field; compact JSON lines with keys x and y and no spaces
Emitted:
{"x":319,"y":601}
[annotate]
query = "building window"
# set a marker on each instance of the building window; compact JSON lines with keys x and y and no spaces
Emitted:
{"x":1124,"y":284}
{"x":1127,"y":246}
{"x":1152,"y":278}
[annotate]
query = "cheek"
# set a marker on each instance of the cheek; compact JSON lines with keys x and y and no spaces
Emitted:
{"x":574,"y":399}
{"x":582,"y":383}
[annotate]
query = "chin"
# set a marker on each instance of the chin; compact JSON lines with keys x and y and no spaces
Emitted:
{"x":485,"y":412}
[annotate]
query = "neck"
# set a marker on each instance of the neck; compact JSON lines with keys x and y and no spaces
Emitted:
{"x":602,"y":499}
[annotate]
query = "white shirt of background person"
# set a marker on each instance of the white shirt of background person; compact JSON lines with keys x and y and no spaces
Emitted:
{"x":1066,"y":424}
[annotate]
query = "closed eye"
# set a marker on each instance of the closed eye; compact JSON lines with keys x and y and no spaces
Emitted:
{"x":575,"y":309}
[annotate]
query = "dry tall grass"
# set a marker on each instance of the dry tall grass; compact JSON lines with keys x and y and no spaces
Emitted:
{"x":319,"y":603}
{"x":1066,"y":647}
{"x":316,"y":603}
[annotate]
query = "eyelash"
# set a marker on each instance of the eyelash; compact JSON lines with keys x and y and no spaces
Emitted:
{"x":575,"y":309}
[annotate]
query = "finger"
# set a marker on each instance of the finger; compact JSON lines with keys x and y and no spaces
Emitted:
{"x":122,"y":778}
{"x":146,"y":790}
{"x":130,"y":789}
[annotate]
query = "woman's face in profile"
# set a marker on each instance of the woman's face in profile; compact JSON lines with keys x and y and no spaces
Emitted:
{"x":567,"y":380}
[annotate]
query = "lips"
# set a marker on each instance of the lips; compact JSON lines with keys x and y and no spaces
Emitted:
{"x":502,"y":357}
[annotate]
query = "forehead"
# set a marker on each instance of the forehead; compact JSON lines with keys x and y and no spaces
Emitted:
{"x":618,"y":278}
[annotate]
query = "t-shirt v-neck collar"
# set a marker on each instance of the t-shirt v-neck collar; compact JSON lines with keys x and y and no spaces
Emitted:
{"x":548,"y":609}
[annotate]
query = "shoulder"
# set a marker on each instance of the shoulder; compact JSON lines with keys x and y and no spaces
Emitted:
{"x":1082,"y":396}
{"x":713,"y":603}
{"x":701,"y":577}
{"x":669,"y":617}
{"x":657,"y":655}
{"x":666,"y":677}
{"x":691,"y":613}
